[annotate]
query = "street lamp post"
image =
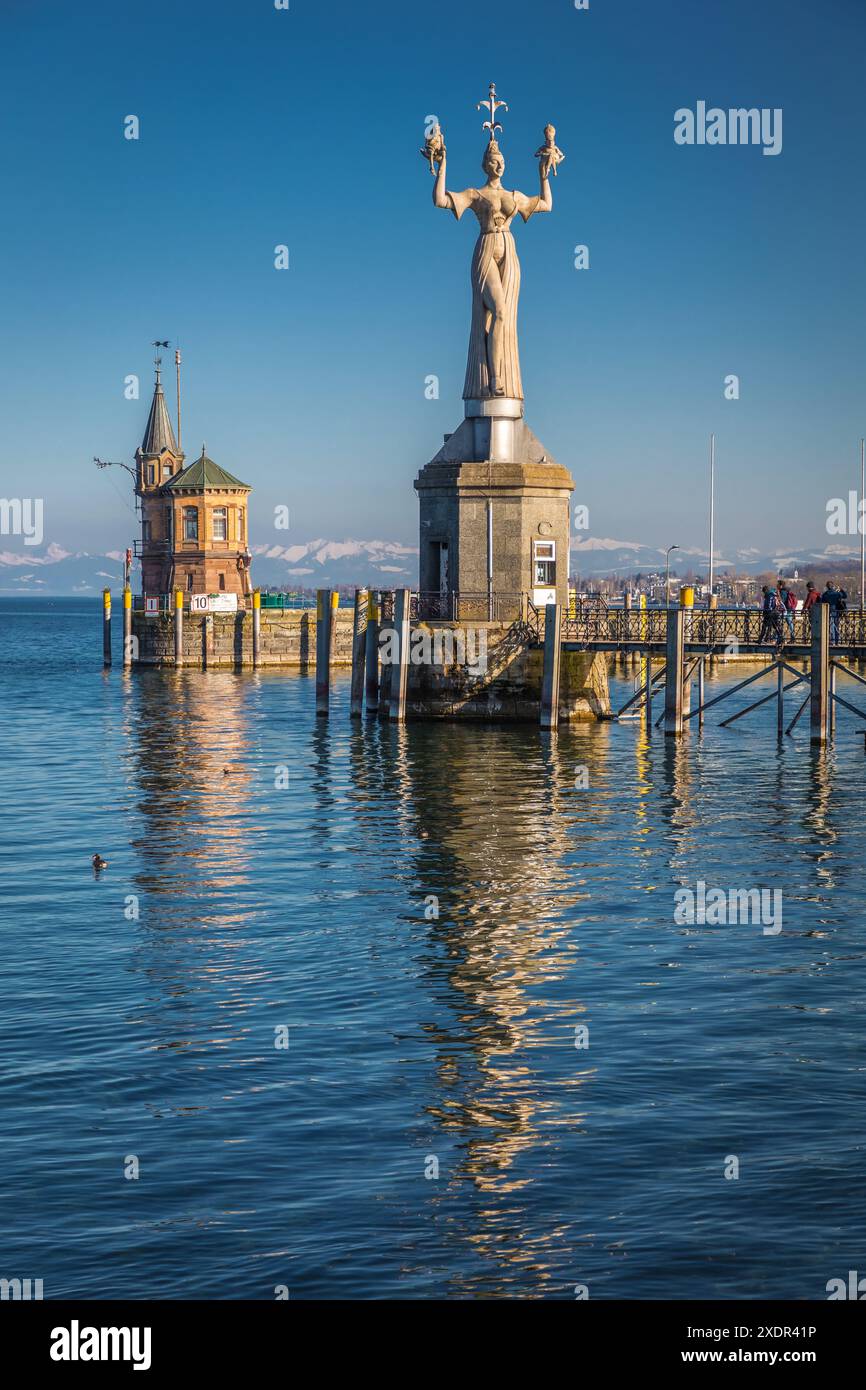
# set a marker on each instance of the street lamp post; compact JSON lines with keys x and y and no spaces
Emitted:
{"x":668,"y":574}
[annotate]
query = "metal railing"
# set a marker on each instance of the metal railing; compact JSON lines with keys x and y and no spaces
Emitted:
{"x":457,"y":606}
{"x":718,"y":627}
{"x":140,"y":548}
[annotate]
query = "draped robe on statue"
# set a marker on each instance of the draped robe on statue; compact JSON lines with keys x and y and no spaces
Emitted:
{"x":495,"y":248}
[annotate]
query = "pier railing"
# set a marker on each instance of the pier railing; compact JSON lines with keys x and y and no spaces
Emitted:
{"x":720,"y":627}
{"x":460,"y":606}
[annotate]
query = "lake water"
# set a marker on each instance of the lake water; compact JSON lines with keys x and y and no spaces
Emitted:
{"x":415,"y":1041}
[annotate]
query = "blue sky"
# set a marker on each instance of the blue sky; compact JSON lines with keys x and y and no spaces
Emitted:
{"x":302,"y":127}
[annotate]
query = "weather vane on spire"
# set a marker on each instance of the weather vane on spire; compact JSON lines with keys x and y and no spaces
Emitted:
{"x":157,"y":361}
{"x":492,"y":105}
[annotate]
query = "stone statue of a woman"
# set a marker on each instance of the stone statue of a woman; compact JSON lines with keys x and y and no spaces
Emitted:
{"x":493,"y":367}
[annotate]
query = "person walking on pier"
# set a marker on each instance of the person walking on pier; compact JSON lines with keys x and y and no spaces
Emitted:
{"x":772,"y":611}
{"x":788,"y":600}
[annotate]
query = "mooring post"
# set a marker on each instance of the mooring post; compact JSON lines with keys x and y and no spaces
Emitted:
{"x":549,"y":714}
{"x":127,"y":626}
{"x":257,"y":626}
{"x":780,"y":700}
{"x":106,"y":627}
{"x":178,"y":628}
{"x":820,"y":673}
{"x":372,"y":645}
{"x":359,"y":648}
{"x":324,"y":621}
{"x":335,"y":605}
{"x":386,"y":625}
{"x":674,"y":672}
{"x":400,"y":673}
{"x":648,"y":689}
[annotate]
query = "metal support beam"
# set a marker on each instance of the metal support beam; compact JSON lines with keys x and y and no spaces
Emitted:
{"x":793,"y":724}
{"x":831,"y":707}
{"x":765,"y":699}
{"x":700,"y":709}
{"x":820,"y":673}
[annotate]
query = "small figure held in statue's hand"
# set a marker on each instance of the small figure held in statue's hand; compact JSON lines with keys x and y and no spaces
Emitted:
{"x":550,"y":154}
{"x":434,"y":148}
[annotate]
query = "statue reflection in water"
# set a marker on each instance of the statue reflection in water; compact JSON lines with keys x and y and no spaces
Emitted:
{"x":492,"y":837}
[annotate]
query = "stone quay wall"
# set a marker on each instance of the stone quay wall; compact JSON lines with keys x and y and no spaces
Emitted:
{"x":225,"y":640}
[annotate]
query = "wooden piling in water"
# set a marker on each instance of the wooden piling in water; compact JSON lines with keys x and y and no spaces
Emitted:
{"x":332,"y":630}
{"x":106,"y":627}
{"x":371,"y":638}
{"x":127,"y":627}
{"x":359,"y":648}
{"x":257,"y":627}
{"x":178,"y":629}
{"x":324,"y":623}
{"x":386,"y":628}
{"x":820,"y":673}
{"x":549,"y":712}
{"x":674,"y":672}
{"x":399,"y":683}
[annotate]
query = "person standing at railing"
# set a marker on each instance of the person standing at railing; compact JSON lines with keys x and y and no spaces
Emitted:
{"x":812,"y":597}
{"x":837,"y":599}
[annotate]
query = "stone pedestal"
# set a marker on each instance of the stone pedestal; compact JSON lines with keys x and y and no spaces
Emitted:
{"x":492,"y":477}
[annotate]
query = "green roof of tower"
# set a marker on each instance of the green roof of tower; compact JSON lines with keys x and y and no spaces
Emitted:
{"x":204,"y":473}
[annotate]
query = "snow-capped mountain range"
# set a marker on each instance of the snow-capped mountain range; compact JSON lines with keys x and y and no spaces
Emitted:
{"x":324,"y":563}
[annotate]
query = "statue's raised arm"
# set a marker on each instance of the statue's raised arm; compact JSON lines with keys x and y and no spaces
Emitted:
{"x":493,"y":367}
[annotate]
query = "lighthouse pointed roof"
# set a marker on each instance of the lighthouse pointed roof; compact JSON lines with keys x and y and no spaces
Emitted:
{"x":158,"y":433}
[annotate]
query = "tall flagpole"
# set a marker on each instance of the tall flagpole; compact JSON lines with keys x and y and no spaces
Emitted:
{"x":712,"y":512}
{"x":861,"y":522}
{"x":177,"y":372}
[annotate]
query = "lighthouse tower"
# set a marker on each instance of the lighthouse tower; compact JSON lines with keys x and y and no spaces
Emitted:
{"x":193,"y":517}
